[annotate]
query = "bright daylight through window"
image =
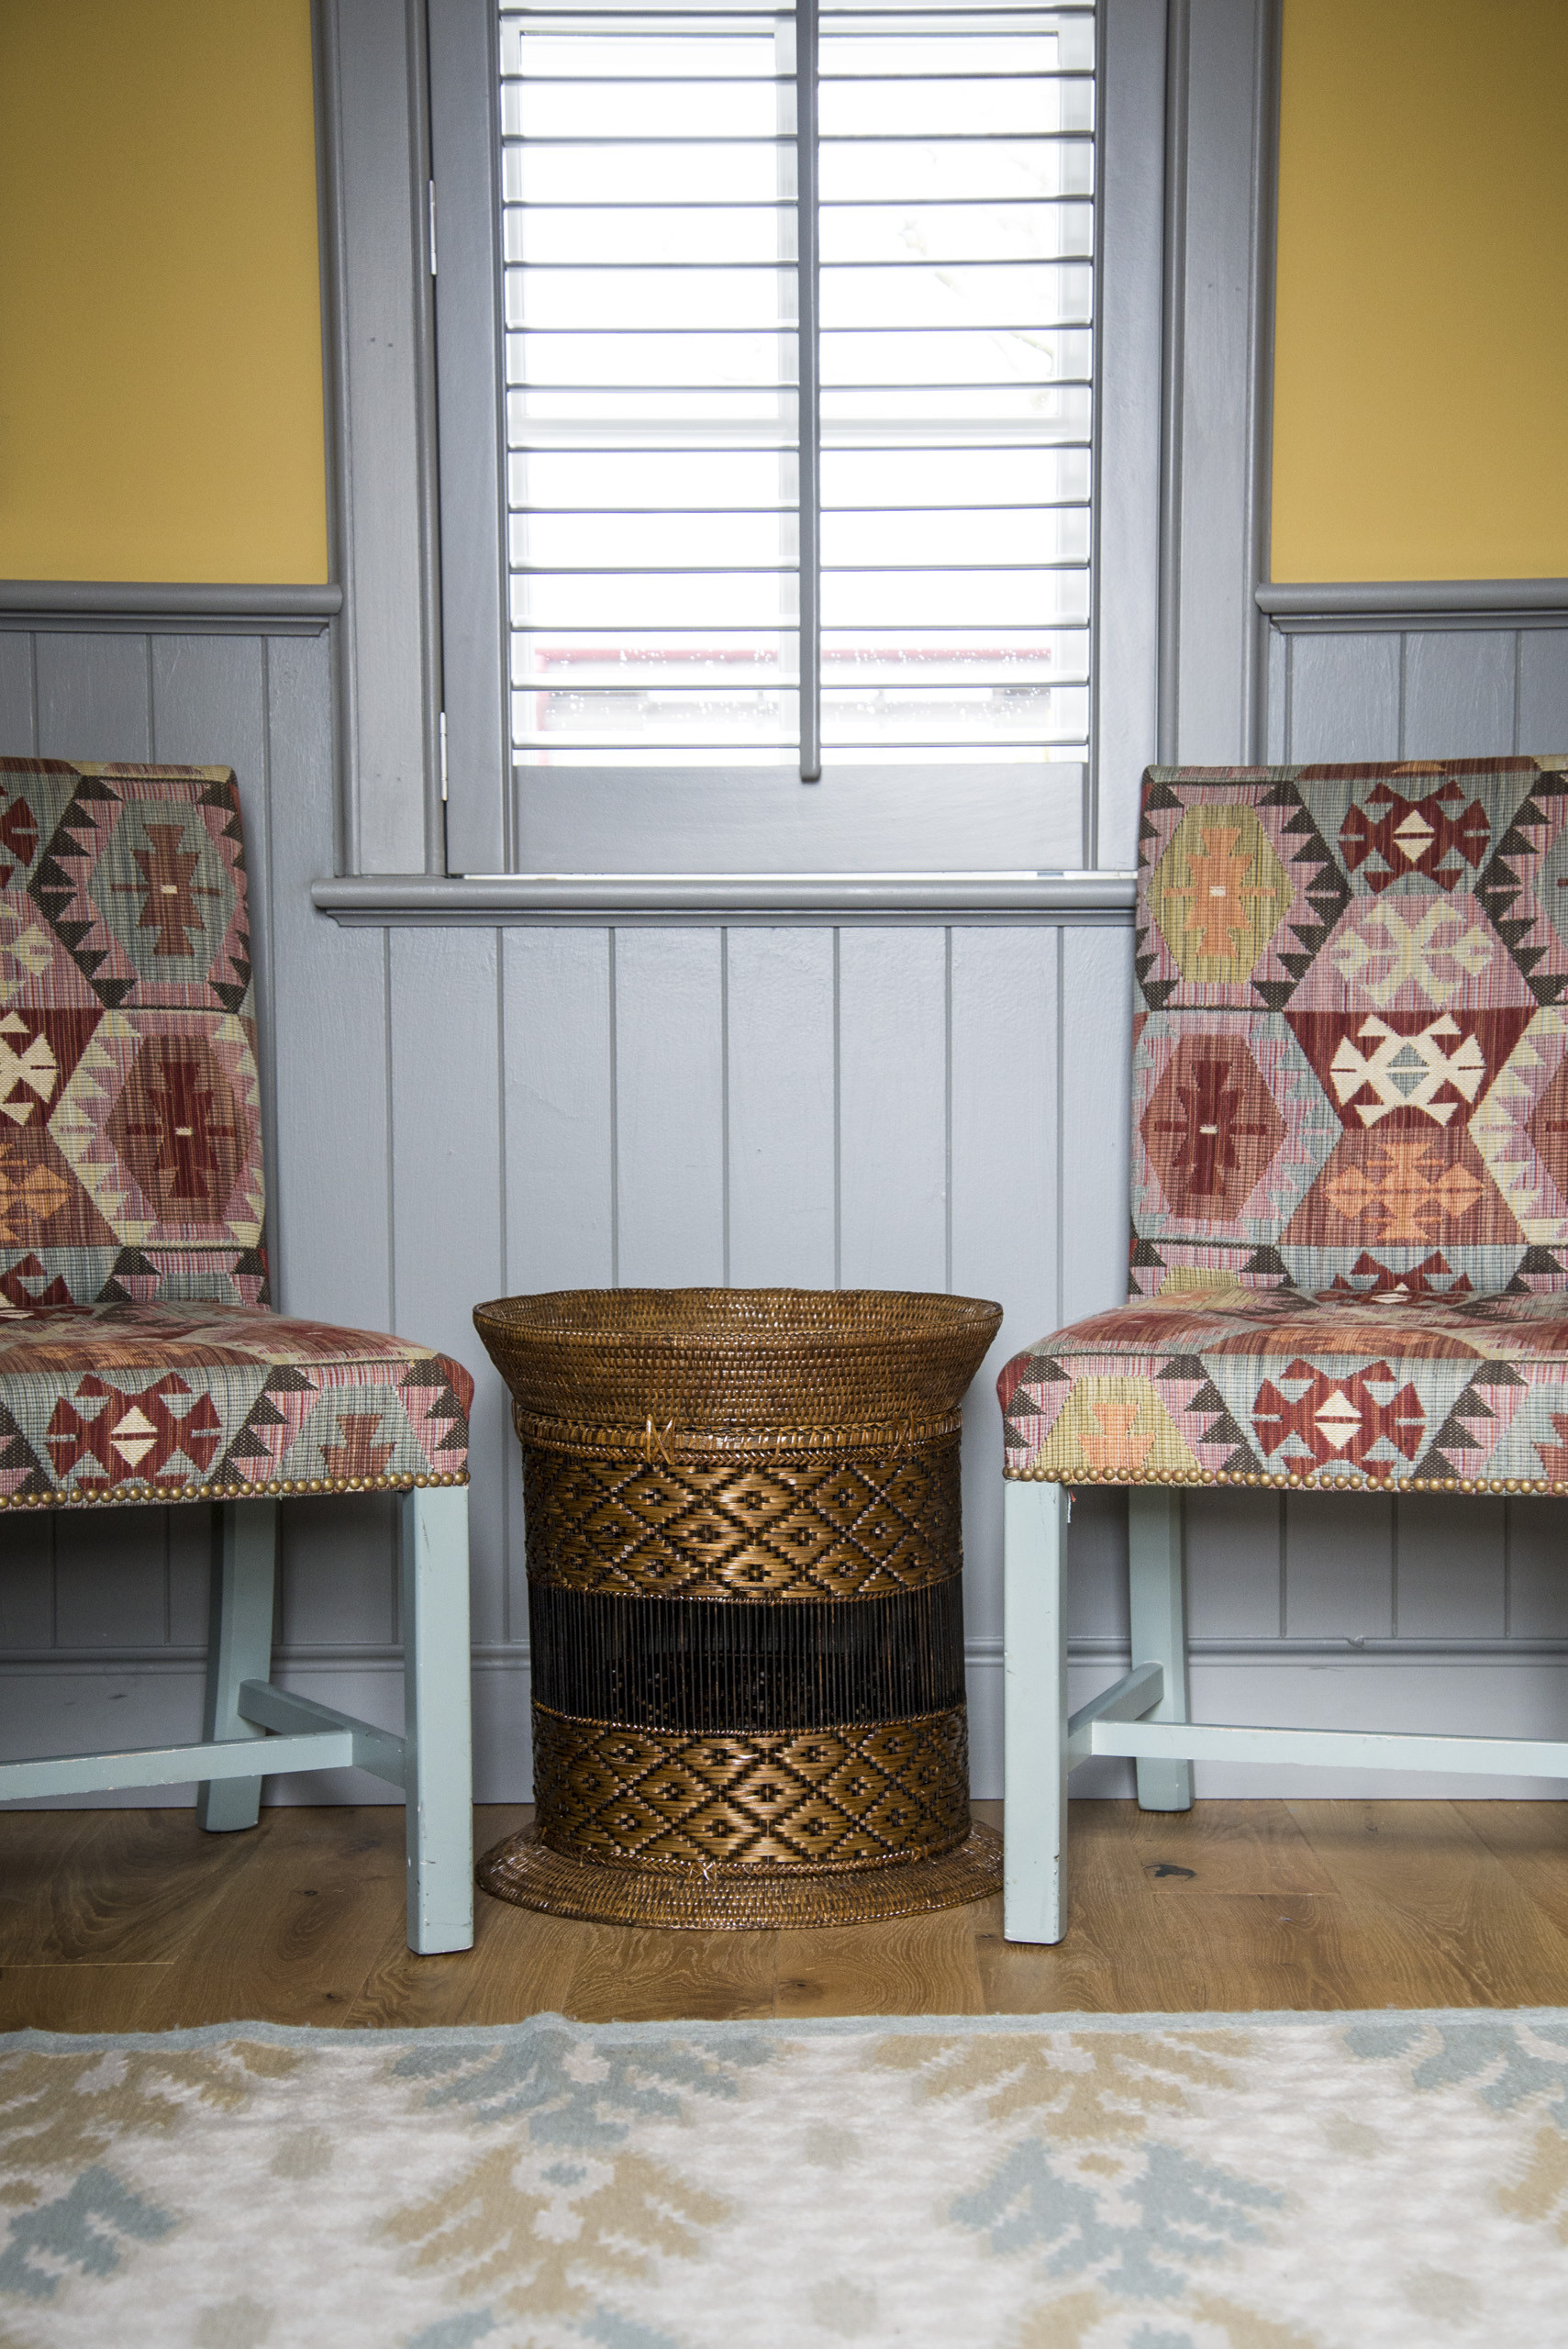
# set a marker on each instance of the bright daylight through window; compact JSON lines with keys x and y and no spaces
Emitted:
{"x":799,"y":326}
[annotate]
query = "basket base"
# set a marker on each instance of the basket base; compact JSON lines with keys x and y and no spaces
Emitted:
{"x":521,"y":1870}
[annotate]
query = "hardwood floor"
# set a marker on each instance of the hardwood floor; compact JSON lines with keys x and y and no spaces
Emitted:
{"x":134,"y":1919}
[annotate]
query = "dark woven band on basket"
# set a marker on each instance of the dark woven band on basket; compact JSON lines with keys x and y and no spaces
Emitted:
{"x":853,"y":1526}
{"x":846,"y":1797}
{"x":673,"y":1663}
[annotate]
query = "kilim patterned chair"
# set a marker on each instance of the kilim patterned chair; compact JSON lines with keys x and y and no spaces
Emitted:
{"x":138,"y":1360}
{"x":1350,"y":1229}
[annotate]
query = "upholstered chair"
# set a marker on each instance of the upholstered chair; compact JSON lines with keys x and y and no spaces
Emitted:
{"x":139,"y":1360}
{"x":1350,"y":1231}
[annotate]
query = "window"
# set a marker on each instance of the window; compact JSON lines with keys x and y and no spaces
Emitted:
{"x":797,"y":336}
{"x":777,"y":496}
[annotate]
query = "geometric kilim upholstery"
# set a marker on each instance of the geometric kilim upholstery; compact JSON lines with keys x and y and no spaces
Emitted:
{"x":218,"y":1402}
{"x":1349,"y":1142}
{"x":138,"y":1360}
{"x":130,"y":1139}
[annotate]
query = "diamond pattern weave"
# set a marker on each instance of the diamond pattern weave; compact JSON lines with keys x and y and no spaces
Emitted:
{"x":855,"y":1527}
{"x":847,"y":1797}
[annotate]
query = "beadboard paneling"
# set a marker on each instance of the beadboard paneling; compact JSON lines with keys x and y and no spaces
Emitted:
{"x":1006,"y":1052}
{"x":1540,"y":717}
{"x":1384,"y":692}
{"x":893,"y":1108}
{"x":668,"y":1137}
{"x":557,"y":1084}
{"x":1343,"y":698}
{"x":781,"y":1098}
{"x":94,"y":696}
{"x":443,"y":1011}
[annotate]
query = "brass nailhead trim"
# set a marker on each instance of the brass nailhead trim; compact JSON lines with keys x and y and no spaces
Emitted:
{"x":71,"y":1496}
{"x":1278,"y":1480}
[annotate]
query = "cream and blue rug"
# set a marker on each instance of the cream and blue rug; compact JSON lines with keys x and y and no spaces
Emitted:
{"x":1146,"y":2182}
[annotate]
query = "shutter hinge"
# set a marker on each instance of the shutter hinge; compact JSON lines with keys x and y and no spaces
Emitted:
{"x":443,"y":758}
{"x":432,"y":189}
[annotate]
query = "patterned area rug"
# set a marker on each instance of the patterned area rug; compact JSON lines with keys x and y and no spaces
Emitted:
{"x":1145,"y":2182}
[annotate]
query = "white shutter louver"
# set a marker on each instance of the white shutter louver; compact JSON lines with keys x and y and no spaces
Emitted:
{"x":665,"y":526}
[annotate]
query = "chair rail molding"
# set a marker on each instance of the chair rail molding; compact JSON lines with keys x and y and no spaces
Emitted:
{"x":166,"y":606}
{"x":1363,"y":604}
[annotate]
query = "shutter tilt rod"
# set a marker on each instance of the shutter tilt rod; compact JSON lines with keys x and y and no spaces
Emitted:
{"x":810,"y":425}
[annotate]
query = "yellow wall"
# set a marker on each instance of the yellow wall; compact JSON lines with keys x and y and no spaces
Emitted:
{"x":1421,"y":334}
{"x":159,"y":309}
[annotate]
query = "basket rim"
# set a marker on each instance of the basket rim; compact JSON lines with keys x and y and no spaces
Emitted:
{"x":952,"y":1314}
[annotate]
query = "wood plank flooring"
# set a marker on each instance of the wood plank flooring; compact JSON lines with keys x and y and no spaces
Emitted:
{"x":134,"y":1919}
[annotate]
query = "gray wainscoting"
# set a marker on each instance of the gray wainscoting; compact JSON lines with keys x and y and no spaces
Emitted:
{"x":457,"y":1112}
{"x":1454,"y":691}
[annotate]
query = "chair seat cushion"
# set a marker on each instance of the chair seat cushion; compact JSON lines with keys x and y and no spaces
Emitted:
{"x":127,"y":1402}
{"x":1344,"y":1389}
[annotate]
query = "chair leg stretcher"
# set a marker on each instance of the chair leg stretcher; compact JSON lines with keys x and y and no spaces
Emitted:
{"x":169,"y":1765}
{"x":1502,"y":1757}
{"x":255,"y":1731}
{"x":1115,"y":1723}
{"x":1143,"y":1716}
{"x":1127,"y":1700}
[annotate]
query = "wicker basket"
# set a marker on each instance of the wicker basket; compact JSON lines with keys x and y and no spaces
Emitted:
{"x":745,"y":1603}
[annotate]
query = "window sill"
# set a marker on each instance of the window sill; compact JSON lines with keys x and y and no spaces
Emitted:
{"x":377,"y":899}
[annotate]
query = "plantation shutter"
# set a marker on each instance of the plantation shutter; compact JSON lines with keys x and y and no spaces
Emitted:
{"x":798,"y":337}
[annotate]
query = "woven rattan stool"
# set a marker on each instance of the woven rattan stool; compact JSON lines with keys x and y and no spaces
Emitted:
{"x":745,"y":1604}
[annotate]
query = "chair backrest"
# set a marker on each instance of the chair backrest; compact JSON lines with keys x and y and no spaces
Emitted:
{"x":1349,"y":1062}
{"x":130,"y":1137}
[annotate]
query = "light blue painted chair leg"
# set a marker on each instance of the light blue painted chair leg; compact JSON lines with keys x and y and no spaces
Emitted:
{"x":438,"y":1734}
{"x":1157,"y":1589}
{"x":240,"y":1648}
{"x":1035,"y":1696}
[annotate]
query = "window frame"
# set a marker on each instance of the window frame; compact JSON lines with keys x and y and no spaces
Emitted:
{"x":1187,"y":99}
{"x":954,"y":816}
